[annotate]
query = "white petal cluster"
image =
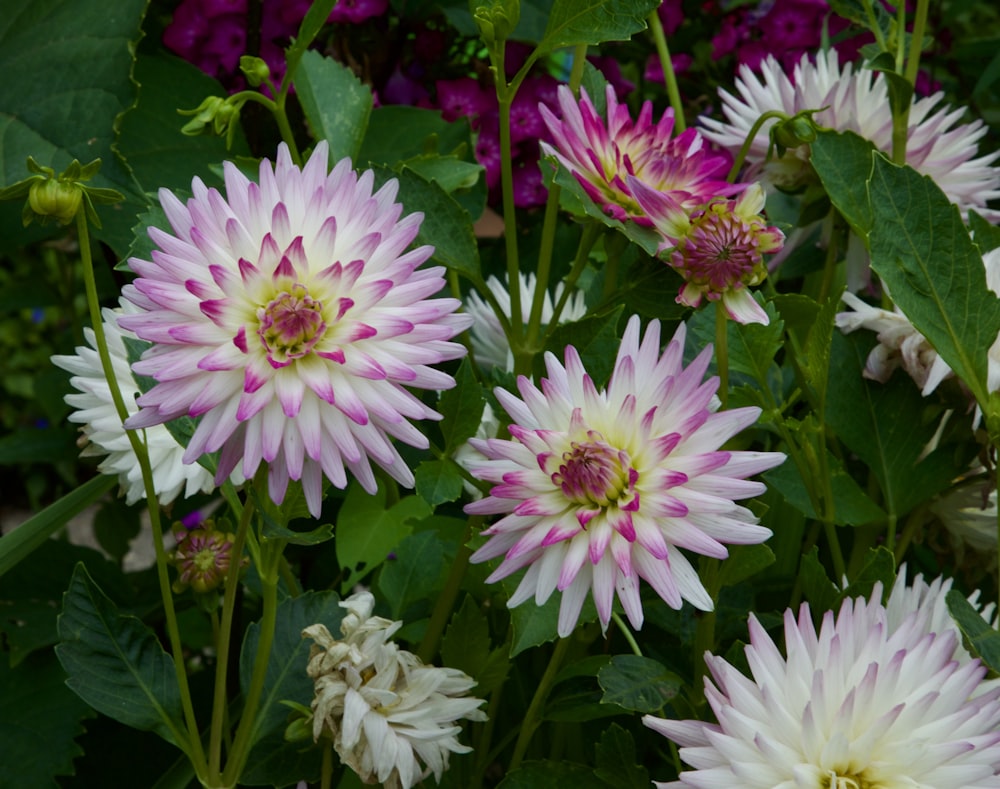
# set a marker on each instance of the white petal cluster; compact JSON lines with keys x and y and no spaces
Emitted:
{"x":102,"y":429}
{"x":489,"y":343}
{"x":391,"y":718}
{"x":873,"y":698}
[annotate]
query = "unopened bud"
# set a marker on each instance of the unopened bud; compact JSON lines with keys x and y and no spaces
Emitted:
{"x":57,"y":199}
{"x":255,"y":70}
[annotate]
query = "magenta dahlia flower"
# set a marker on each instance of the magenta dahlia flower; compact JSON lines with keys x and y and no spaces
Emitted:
{"x":288,"y":317}
{"x":718,"y":249}
{"x":602,"y":488}
{"x":602,"y":155}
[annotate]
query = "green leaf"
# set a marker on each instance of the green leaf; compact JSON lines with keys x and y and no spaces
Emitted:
{"x":884,"y":425}
{"x":638,"y":684}
{"x":397,"y":134}
{"x":983,"y":640}
{"x":414,"y":572}
{"x":857,"y":11}
{"x":986,"y":235}
{"x":438,"y":481}
{"x":595,"y":339}
{"x":466,"y":646}
{"x":852,"y":506}
{"x":617,"y":762}
{"x":818,"y":589}
{"x":744,"y":561}
{"x":273,"y":761}
{"x":573,"y":22}
{"x":752,"y":346}
{"x":446,"y":225}
{"x":336,"y":103}
{"x":843,"y":162}
{"x":922,"y":251}
{"x":367,"y":530}
{"x":817,"y":349}
{"x":66,"y":70}
{"x":879,"y":567}
{"x":462,"y":408}
{"x":39,"y":720}
{"x":551,"y":775}
{"x":35,"y":531}
{"x":116,"y":664}
{"x":535,"y":624}
{"x":151,"y":140}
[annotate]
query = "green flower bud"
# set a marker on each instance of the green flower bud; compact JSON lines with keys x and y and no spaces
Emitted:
{"x":255,"y":70}
{"x":57,"y":199}
{"x":792,"y":132}
{"x":497,"y":20}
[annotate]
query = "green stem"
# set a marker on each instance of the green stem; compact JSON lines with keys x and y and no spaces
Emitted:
{"x":192,"y":747}
{"x":219,"y":701}
{"x":830,"y":263}
{"x":722,"y":352}
{"x":916,"y":40}
{"x":446,"y":600}
{"x":326,"y":779}
{"x":704,"y":632}
{"x":873,"y":25}
{"x":533,"y":716}
{"x":748,"y":142}
{"x":271,"y":552}
{"x":836,"y":554}
{"x":669,"y":78}
{"x":591,"y":232}
{"x":629,"y":637}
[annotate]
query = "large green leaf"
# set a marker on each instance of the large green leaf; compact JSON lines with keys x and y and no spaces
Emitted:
{"x":617,"y":763}
{"x":115,"y":663}
{"x":411,"y":576}
{"x":922,"y":251}
{"x":367,"y":530}
{"x":638,"y":684}
{"x":39,"y":720}
{"x":461,"y":407}
{"x":595,"y":339}
{"x":535,"y":624}
{"x":984,"y":640}
{"x":151,"y":140}
{"x":273,"y":761}
{"x":843,"y":162}
{"x":573,"y":22}
{"x":336,"y":103}
{"x":66,"y":80}
{"x":551,"y":775}
{"x":466,"y":646}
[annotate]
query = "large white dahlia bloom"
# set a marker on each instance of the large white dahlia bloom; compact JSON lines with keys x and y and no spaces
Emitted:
{"x":102,"y":428}
{"x":391,"y":718}
{"x":288,"y":317}
{"x":938,"y":145}
{"x":870,"y":700}
{"x":600,"y":488}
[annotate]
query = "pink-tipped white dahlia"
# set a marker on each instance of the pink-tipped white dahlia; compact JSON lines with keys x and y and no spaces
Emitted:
{"x":718,"y":249}
{"x":489,"y":343}
{"x":600,"y":488}
{"x":102,"y":427}
{"x":865,"y":703}
{"x":602,"y":155}
{"x":855,"y":100}
{"x":288,"y":317}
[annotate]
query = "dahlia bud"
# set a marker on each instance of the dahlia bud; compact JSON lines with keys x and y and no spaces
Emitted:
{"x":51,"y":198}
{"x":800,"y":129}
{"x":59,"y":197}
{"x":214,"y":115}
{"x":203,"y":557}
{"x":255,"y":70}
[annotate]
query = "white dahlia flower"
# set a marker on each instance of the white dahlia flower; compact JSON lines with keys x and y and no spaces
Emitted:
{"x":392,"y":719}
{"x":288,"y":316}
{"x":865,"y":702}
{"x":600,"y":488}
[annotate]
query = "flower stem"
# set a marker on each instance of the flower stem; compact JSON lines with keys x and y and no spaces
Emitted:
{"x":748,"y":142}
{"x":192,"y":747}
{"x":446,"y":600}
{"x":271,"y":551}
{"x":629,"y":637}
{"x":722,"y":352}
{"x":669,"y":78}
{"x":220,"y":702}
{"x":916,"y":41}
{"x":591,"y":232}
{"x":534,"y":714}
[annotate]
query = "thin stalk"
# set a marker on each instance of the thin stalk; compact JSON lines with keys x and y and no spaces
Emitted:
{"x":704,"y":632}
{"x":722,"y":352}
{"x":446,"y":600}
{"x":629,"y":637}
{"x":326,"y":780}
{"x":836,"y":554}
{"x":669,"y":78}
{"x":748,"y":142}
{"x":591,"y":232}
{"x":830,"y":263}
{"x":219,"y":701}
{"x":916,"y":41}
{"x":534,"y":714}
{"x":873,"y":25}
{"x":192,"y":746}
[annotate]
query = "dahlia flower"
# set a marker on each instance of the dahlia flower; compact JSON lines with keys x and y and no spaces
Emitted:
{"x":489,"y":343}
{"x":602,"y":488}
{"x":718,"y":249}
{"x":969,"y":512}
{"x":855,"y":101}
{"x":391,"y":718}
{"x":862,"y":703}
{"x":602,"y":155}
{"x":102,"y":428}
{"x":288,"y":317}
{"x":901,"y":345}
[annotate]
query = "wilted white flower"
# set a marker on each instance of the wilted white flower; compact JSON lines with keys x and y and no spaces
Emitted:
{"x":391,"y":718}
{"x":102,"y":428}
{"x":864,"y":702}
